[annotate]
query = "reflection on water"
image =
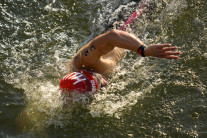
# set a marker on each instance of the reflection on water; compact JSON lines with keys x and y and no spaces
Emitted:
{"x":146,"y":96}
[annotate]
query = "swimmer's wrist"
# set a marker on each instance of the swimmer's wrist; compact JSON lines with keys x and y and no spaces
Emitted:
{"x":141,"y":50}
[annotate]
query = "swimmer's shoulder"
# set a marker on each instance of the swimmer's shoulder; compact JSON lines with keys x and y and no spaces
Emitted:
{"x":75,"y":62}
{"x":78,"y":62}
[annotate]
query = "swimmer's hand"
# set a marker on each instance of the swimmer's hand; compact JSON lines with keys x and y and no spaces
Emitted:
{"x":162,"y":51}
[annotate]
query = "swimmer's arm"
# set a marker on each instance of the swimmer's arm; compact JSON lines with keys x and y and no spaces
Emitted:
{"x":93,"y":52}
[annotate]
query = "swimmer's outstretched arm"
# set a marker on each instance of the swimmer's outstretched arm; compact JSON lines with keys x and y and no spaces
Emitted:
{"x":93,"y":55}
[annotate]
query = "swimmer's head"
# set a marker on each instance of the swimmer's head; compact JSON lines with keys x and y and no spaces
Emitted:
{"x":82,"y":82}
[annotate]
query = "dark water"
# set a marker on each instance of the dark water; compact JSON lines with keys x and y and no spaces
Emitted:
{"x":147,"y":97}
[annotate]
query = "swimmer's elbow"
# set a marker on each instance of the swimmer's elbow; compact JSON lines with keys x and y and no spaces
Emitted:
{"x":113,"y":33}
{"x":112,"y":36}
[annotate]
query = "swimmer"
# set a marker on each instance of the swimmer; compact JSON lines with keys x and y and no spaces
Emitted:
{"x":94,"y":60}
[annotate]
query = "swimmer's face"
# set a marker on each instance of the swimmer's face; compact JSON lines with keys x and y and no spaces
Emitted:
{"x":100,"y":80}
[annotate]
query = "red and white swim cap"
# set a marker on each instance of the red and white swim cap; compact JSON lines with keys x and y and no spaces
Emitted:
{"x":81,"y":82}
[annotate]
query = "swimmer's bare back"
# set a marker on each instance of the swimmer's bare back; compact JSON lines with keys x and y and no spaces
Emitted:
{"x":103,"y":52}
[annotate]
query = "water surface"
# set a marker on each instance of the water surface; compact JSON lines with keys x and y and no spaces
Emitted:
{"x":146,"y":97}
